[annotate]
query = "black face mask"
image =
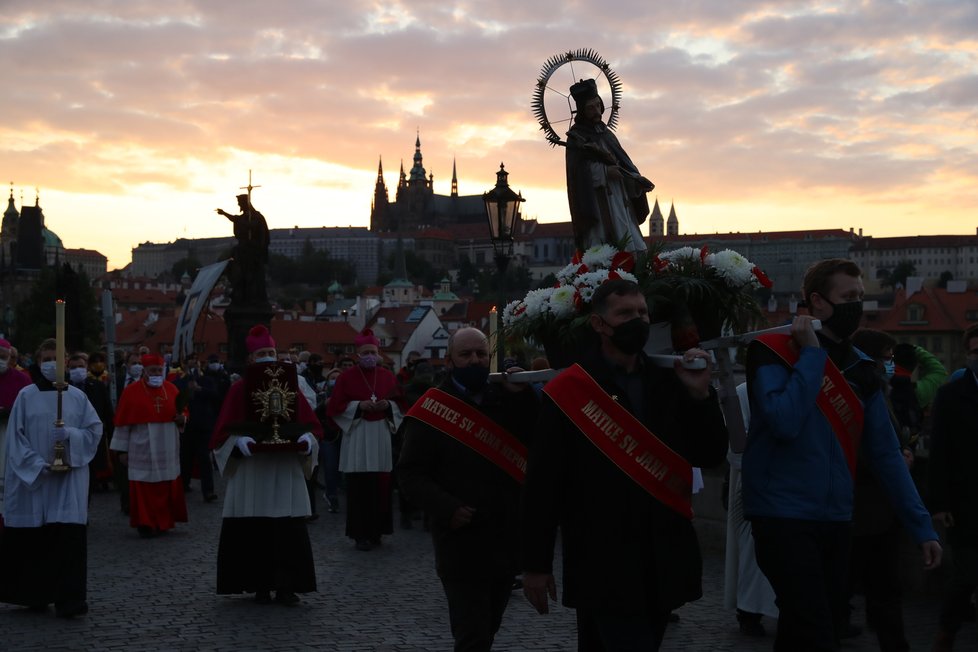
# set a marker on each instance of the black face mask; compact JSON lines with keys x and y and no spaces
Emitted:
{"x":473,"y":377}
{"x":845,"y":318}
{"x":630,"y":337}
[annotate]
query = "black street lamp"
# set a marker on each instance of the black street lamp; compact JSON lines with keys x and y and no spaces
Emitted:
{"x":503,"y":211}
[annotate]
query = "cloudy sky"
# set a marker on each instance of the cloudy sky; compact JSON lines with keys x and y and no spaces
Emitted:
{"x":137,"y":119}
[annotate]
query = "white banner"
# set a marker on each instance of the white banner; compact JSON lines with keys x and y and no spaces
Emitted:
{"x":193,"y":304}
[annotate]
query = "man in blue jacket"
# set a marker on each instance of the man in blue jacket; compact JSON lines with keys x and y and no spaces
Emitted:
{"x":815,"y":402}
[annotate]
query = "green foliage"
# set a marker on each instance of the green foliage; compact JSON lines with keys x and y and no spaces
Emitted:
{"x":898,"y":275}
{"x":190,"y":264}
{"x":35,"y":320}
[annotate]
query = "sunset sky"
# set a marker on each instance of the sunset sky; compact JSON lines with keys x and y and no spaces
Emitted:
{"x":137,"y":119}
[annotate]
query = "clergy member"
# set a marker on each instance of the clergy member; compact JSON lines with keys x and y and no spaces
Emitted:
{"x":11,"y":382}
{"x":43,"y":550}
{"x":264,"y":543}
{"x":147,"y":439}
{"x":363,"y":406}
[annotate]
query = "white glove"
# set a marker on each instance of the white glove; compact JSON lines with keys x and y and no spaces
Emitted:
{"x":243,"y":443}
{"x":59,"y":433}
{"x":310,"y":440}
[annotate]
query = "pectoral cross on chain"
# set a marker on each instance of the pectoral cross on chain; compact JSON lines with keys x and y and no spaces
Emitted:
{"x":158,"y":402}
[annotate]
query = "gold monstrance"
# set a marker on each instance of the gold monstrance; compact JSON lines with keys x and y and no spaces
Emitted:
{"x":274,"y":402}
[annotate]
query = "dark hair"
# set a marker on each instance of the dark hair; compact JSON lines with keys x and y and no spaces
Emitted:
{"x":618,"y":287}
{"x":969,"y":334}
{"x":872,"y":342}
{"x":818,"y":278}
{"x":78,"y":355}
{"x":50,"y":344}
{"x":905,"y":355}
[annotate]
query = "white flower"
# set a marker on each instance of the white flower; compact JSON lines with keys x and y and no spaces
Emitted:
{"x":567,"y":274}
{"x":732,"y":267}
{"x":599,"y":256}
{"x":537,"y":302}
{"x":676,"y":255}
{"x":514,"y":312}
{"x":592,"y":279}
{"x":562,"y":301}
{"x":586,"y":292}
{"x":627,"y":276}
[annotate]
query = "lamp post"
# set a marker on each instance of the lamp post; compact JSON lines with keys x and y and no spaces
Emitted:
{"x":503,"y":211}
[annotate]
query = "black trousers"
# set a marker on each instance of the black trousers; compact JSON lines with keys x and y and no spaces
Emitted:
{"x":876,"y":566}
{"x":807,"y":563}
{"x":956,"y":604}
{"x":264,"y":554}
{"x":609,"y":631}
{"x":44,"y":565}
{"x":475,"y":609}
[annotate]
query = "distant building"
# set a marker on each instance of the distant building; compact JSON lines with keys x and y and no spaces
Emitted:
{"x":931,"y":255}
{"x":89,"y":261}
{"x":416,"y":206}
{"x":153,"y":259}
{"x":353,"y":244}
{"x":356,"y":245}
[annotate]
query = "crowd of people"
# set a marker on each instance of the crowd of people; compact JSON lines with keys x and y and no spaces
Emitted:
{"x":604,"y":452}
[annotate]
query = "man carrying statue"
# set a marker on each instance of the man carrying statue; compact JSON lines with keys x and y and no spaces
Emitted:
{"x":605,"y":191}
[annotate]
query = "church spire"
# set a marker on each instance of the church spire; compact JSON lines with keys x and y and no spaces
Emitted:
{"x":672,"y":224}
{"x":454,"y":180}
{"x":657,"y":223}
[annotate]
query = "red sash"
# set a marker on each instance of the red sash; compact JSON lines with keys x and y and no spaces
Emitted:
{"x":642,"y":456}
{"x":837,"y":400}
{"x":461,"y":421}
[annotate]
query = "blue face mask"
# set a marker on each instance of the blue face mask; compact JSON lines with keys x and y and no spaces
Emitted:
{"x":889,"y":368}
{"x":267,"y":358}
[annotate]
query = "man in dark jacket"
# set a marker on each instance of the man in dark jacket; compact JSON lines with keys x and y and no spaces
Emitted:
{"x":954,"y":487}
{"x":630,"y":552}
{"x":470,"y":492}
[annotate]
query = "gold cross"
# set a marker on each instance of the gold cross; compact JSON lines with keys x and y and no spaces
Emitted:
{"x":158,"y":401}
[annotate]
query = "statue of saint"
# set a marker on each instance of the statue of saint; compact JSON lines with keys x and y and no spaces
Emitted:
{"x":605,"y":191}
{"x":249,"y":256}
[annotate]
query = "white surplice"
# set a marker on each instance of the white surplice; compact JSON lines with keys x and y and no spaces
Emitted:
{"x":269,"y":484}
{"x":33,"y":495}
{"x":153,"y":450}
{"x":366,"y":446}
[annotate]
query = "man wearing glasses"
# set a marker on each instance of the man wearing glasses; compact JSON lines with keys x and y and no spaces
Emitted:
{"x":954,"y":488}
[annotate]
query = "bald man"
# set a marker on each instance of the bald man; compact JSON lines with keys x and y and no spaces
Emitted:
{"x":469,"y":489}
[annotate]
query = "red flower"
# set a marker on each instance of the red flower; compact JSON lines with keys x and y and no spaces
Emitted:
{"x":578,"y":256}
{"x":659,"y":264}
{"x":623,"y":260}
{"x":704,"y":250}
{"x":578,"y":302}
{"x":614,"y":276}
{"x":582,"y":270}
{"x":762,"y":277}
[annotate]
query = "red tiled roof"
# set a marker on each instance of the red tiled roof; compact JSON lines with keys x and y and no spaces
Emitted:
{"x":942,"y":311}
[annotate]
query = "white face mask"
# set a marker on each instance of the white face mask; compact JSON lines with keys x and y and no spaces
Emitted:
{"x":49,"y":370}
{"x":214,"y":366}
{"x":301,"y":367}
{"x":154,"y":381}
{"x":136,"y":370}
{"x":77,"y":375}
{"x":4,"y":365}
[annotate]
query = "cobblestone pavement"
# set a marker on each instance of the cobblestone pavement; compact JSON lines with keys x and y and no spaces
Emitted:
{"x":158,"y":594}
